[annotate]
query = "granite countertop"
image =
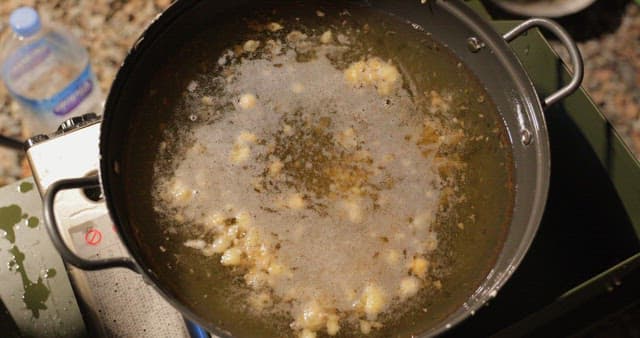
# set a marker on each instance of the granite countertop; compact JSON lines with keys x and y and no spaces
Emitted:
{"x":109,"y":27}
{"x":612,"y":75}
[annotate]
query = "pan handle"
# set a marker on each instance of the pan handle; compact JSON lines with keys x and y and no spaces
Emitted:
{"x":569,"y":44}
{"x":56,"y":237}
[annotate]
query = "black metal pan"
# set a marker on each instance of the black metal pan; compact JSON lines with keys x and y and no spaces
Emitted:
{"x":165,"y":57}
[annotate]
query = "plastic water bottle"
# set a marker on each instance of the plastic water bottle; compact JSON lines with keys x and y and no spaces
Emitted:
{"x":47,"y":71}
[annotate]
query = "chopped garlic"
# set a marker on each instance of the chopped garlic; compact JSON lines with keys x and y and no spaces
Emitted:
{"x":231,"y":257}
{"x":225,"y":57}
{"x":195,"y":244}
{"x":232,"y":231}
{"x":375,"y":72}
{"x":307,"y":334}
{"x":251,"y":241}
{"x":247,"y":137}
{"x":392,"y":257}
{"x":296,"y":202}
{"x":197,"y":149}
{"x":274,"y":26}
{"x":431,"y":243}
{"x":180,"y":193}
{"x":247,"y":101}
{"x":343,"y":39}
{"x":275,"y":167}
{"x":333,"y":326}
{"x":347,"y":138}
{"x":251,"y":45}
{"x":276,"y":269}
{"x":326,"y":37}
{"x":365,"y":327}
{"x":287,"y":130}
{"x":312,"y":318}
{"x":193,"y":85}
{"x":373,"y":301}
{"x":296,"y":36}
{"x":419,"y":266}
{"x":221,"y":244}
{"x":214,"y":221}
{"x":207,"y":100}
{"x":243,"y":219}
{"x":353,"y":210}
{"x":422,"y":220}
{"x":273,"y":46}
{"x":409,"y":287}
{"x":355,"y":72}
{"x":255,"y":278}
{"x":239,"y":154}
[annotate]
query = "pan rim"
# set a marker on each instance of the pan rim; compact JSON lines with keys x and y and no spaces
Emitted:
{"x":530,"y":105}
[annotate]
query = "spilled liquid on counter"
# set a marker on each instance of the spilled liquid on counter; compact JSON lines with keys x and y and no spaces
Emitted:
{"x":35,"y":293}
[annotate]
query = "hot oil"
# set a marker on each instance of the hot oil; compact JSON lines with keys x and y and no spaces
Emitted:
{"x":471,"y":235}
{"x":470,"y":223}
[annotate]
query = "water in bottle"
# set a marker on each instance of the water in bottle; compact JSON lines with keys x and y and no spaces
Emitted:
{"x":47,"y":71}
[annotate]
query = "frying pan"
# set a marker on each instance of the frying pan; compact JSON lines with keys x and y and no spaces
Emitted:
{"x":484,"y":52}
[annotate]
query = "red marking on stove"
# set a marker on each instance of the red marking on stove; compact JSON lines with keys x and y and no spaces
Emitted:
{"x":93,"y":236}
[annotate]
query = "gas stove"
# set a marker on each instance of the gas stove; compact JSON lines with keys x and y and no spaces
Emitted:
{"x":114,"y":302}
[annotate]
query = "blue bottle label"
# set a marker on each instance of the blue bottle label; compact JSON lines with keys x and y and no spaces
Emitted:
{"x":66,"y":100}
{"x":71,"y":97}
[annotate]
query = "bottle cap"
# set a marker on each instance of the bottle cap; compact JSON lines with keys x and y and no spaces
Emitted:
{"x":25,"y":21}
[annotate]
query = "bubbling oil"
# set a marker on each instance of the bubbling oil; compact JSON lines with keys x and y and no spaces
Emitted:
{"x":332,"y":183}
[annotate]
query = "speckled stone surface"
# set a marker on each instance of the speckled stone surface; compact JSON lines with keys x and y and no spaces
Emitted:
{"x":109,"y":27}
{"x":106,"y":27}
{"x":613,"y":78}
{"x":612,"y":74}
